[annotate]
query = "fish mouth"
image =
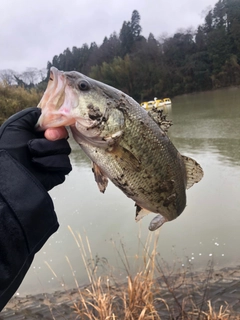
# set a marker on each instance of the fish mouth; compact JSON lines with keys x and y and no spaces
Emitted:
{"x":56,"y":103}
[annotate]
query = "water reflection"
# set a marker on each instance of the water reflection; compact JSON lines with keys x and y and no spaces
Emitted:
{"x":209,"y":121}
{"x":206,"y":127}
{"x":226,"y":149}
{"x":78,"y":157}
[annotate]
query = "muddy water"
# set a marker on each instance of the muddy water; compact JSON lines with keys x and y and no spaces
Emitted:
{"x":207,"y":128}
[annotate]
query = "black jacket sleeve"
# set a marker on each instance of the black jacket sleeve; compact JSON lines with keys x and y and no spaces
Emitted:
{"x":27,"y":220}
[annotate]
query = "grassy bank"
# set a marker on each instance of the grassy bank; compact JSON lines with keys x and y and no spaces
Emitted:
{"x":14,"y":99}
{"x":156,"y":291}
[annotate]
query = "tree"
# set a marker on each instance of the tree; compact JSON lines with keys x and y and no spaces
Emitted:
{"x":130,"y":33}
{"x":126,"y":38}
{"x":220,"y":14}
{"x":188,"y":61}
{"x":208,"y":26}
{"x":68,"y":63}
{"x":30,"y":76}
{"x":110,"y":48}
{"x":135,"y":26}
{"x":200,"y":39}
{"x":7,"y":76}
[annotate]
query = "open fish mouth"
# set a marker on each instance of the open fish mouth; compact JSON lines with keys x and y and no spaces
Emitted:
{"x":56,"y":103}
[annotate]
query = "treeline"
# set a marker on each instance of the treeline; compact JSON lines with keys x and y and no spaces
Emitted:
{"x":189,"y":61}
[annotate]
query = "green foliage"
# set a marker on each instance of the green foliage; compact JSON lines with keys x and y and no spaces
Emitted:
{"x":118,"y":73}
{"x":188,"y":61}
{"x":14,"y":99}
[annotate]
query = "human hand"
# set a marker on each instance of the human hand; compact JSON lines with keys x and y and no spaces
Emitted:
{"x":46,"y":159}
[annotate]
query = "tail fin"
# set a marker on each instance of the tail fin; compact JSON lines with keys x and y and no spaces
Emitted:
{"x":193,"y":170}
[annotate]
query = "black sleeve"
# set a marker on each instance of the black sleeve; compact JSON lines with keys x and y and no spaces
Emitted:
{"x":27,"y":220}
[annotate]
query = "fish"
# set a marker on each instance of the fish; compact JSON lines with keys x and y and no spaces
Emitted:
{"x":126,"y":144}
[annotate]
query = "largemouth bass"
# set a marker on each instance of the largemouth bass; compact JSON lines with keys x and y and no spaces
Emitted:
{"x":125,"y":143}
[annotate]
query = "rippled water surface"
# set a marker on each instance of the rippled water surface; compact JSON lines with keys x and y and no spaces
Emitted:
{"x":207,"y":128}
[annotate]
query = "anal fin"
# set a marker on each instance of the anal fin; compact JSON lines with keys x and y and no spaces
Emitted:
{"x":140,"y":212}
{"x":100,"y":178}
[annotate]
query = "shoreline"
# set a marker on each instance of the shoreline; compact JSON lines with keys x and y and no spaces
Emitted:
{"x":232,"y":87}
{"x":221,"y":287}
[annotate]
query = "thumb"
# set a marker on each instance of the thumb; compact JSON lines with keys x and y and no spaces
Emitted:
{"x":56,"y":133}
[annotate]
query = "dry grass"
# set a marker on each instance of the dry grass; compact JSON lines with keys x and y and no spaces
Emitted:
{"x":14,"y":99}
{"x":210,"y":314}
{"x":107,"y":299}
{"x":155,"y":292}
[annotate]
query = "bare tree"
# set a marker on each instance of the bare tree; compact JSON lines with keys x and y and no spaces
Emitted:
{"x":30,"y":76}
{"x":8,"y":76}
{"x":42,"y":74}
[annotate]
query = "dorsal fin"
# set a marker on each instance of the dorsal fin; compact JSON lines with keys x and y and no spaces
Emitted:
{"x":160,"y":118}
{"x":193,"y":170}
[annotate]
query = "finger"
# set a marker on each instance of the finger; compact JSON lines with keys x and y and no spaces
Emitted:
{"x":52,"y":180}
{"x":43,"y":147}
{"x":59,"y":164}
{"x":53,"y":134}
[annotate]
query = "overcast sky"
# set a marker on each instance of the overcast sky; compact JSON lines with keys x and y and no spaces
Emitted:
{"x":32,"y":32}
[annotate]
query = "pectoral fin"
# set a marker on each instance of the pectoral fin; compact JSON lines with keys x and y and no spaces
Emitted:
{"x":100,"y":178}
{"x":125,"y":157}
{"x":193,"y":170}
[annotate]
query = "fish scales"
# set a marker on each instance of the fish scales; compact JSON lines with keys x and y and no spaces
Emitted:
{"x":156,"y":173}
{"x":125,"y":144}
{"x":161,"y":166}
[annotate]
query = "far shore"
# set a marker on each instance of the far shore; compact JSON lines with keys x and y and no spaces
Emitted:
{"x":206,"y":91}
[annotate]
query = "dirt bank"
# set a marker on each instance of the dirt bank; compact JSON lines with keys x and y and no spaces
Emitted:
{"x":221,"y":287}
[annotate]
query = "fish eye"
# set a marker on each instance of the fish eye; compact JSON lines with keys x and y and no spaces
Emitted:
{"x":83,"y":85}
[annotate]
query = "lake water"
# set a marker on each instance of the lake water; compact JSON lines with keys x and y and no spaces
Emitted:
{"x":207,"y":128}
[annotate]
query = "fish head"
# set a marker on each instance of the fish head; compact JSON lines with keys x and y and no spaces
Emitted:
{"x":72,"y":98}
